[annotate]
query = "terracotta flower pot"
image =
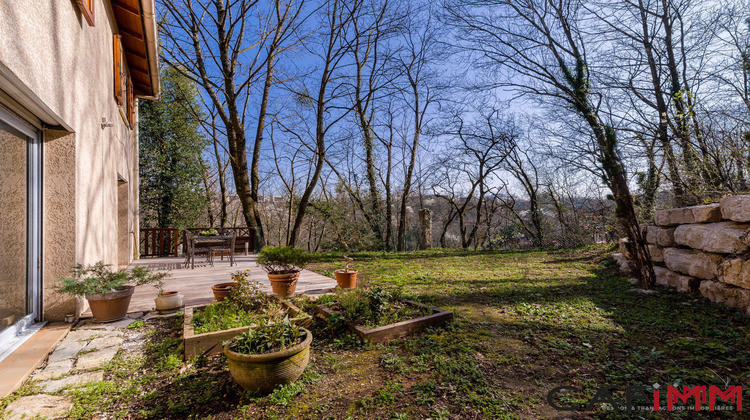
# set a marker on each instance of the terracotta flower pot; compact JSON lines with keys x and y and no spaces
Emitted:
{"x":168,"y":301}
{"x":346,"y":279}
{"x":263,"y":372}
{"x":112,"y":306}
{"x":284,"y":284}
{"x":222,"y":290}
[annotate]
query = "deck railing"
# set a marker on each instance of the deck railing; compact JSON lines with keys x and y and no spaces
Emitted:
{"x":159,"y":242}
{"x":165,"y":242}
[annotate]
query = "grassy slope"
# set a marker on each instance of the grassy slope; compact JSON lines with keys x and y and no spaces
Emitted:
{"x":526,"y":322}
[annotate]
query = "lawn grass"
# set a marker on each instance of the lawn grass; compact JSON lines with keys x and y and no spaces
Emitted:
{"x":525,"y":323}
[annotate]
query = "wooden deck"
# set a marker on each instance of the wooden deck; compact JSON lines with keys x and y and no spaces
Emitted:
{"x":195,"y":284}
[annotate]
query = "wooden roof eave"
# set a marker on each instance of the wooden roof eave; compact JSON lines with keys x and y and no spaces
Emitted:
{"x":136,"y":23}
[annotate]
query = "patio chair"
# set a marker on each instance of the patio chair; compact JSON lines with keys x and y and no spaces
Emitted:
{"x":191,"y":251}
{"x":228,"y":247}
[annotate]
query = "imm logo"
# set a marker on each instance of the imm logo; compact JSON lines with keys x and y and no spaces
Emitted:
{"x":641,"y":398}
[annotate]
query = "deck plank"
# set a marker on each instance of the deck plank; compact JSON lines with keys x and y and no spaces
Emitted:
{"x":195,"y":284}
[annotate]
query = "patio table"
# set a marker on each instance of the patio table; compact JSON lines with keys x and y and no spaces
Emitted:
{"x":210,"y":244}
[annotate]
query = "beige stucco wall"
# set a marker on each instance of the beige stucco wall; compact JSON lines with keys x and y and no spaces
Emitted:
{"x":59,"y":219}
{"x":67,"y":65}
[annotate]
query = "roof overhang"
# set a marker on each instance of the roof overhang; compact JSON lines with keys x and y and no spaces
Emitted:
{"x":136,"y":24}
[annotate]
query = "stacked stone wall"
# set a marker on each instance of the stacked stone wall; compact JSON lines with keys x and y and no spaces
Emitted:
{"x":701,"y":249}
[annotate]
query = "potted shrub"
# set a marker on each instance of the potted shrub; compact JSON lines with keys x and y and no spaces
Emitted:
{"x":346,"y":278}
{"x":283,"y":265}
{"x":108,"y":292}
{"x":166,"y":301}
{"x":268,"y":355}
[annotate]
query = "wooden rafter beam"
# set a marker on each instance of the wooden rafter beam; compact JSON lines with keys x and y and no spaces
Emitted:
{"x":139,"y":70}
{"x":126,"y":8}
{"x":137,"y":54}
{"x":128,"y":32}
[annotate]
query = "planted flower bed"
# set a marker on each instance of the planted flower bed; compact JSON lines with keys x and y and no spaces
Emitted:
{"x":378,"y":316}
{"x":207,"y":327}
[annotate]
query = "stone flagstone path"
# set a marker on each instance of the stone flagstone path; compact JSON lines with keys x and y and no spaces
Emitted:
{"x":76,"y":361}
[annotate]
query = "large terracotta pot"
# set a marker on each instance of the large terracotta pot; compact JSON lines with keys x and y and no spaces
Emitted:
{"x":284,"y":284}
{"x":263,"y":372}
{"x":168,"y":301}
{"x":222,"y":290}
{"x":346,"y":279}
{"x":112,"y":306}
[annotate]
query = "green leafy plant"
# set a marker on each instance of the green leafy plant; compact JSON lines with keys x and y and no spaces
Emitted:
{"x":247,"y":294}
{"x":372,"y":307}
{"x":158,"y":283}
{"x":98,"y":278}
{"x":282,"y":259}
{"x":225,"y":315}
{"x":268,"y":338}
{"x":246,"y":305}
{"x":209,"y":232}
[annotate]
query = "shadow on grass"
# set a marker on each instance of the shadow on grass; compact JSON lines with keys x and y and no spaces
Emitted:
{"x":586,"y":328}
{"x":609,"y":330}
{"x":432,"y":253}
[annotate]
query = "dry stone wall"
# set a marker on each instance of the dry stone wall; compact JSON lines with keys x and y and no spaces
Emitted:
{"x":702,"y":250}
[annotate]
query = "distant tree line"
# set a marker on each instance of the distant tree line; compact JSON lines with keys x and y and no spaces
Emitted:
{"x":526,"y":116}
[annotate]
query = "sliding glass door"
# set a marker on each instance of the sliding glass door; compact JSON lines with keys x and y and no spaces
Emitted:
{"x":20,"y":227}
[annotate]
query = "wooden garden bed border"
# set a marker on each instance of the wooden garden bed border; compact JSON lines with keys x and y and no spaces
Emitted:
{"x":438,"y":318}
{"x":210,"y":342}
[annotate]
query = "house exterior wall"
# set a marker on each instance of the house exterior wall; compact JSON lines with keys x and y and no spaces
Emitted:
{"x":66,"y":66}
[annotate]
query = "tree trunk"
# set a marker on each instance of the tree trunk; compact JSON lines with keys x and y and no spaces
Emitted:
{"x":320,"y":144}
{"x":222,"y":184}
{"x":409,"y":171}
{"x":207,"y":190}
{"x":425,"y":229}
{"x":389,"y":199}
{"x":236,"y":139}
{"x":446,"y":224}
{"x":681,"y":112}
{"x":678,"y":189}
{"x":650,"y":184}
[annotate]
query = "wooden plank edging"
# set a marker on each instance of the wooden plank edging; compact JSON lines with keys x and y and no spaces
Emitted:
{"x":389,"y":332}
{"x":210,"y":342}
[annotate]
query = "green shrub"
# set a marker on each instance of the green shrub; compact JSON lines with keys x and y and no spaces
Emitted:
{"x":282,"y":259}
{"x":99,"y":278}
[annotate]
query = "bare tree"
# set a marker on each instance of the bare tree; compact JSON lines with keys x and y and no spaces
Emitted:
{"x":420,"y":93}
{"x":336,"y":22}
{"x":215,"y":44}
{"x":480,"y":150}
{"x":540,"y":42}
{"x":526,"y":172}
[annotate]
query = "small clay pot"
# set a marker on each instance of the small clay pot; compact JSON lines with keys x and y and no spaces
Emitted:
{"x":284,"y":284}
{"x":222,"y":290}
{"x":112,"y":306}
{"x":346,"y":279}
{"x":168,"y":301}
